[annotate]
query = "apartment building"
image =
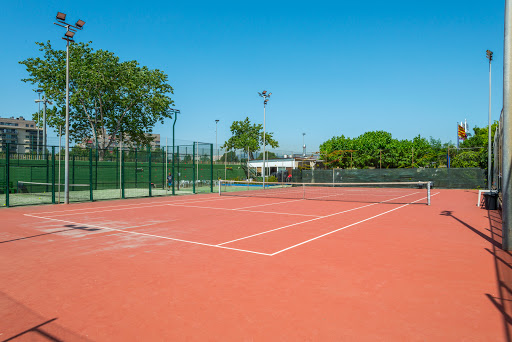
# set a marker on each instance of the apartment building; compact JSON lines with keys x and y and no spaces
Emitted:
{"x":20,"y":134}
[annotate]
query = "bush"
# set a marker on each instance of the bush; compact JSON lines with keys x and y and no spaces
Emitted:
{"x":466,"y":159}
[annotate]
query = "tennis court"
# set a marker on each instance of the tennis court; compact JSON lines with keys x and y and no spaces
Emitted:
{"x":363,"y":264}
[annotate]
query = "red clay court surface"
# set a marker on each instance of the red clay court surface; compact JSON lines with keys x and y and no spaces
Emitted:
{"x":210,"y":268}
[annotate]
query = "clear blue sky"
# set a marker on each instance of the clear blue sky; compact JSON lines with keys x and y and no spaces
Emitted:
{"x":334,"y":67}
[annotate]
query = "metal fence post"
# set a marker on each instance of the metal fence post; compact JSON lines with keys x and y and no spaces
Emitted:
{"x":53,"y":174}
{"x":178,"y":162}
{"x":211,"y":167}
{"x":149,"y":159}
{"x":7,"y":174}
{"x":122,"y":173}
{"x":194,"y":167}
{"x":90,"y":176}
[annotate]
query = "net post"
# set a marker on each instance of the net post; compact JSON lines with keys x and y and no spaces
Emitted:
{"x":220,"y":184}
{"x":149,"y":160}
{"x":303,"y":190}
{"x":91,"y":198}
{"x":7,"y":147}
{"x":428,"y":193}
{"x":194,"y":168}
{"x":53,"y":174}
{"x":211,"y":167}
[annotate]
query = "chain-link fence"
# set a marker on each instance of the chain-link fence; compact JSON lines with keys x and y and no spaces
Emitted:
{"x":94,"y":174}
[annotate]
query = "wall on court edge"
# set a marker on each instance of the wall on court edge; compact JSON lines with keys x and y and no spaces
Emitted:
{"x":452,"y":178}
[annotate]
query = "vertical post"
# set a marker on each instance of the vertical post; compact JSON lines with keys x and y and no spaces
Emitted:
{"x":90,"y":176}
{"x":380,"y":159}
{"x":118,"y":183}
{"x":177,"y":176}
{"x":263,"y":172}
{"x":45,"y":101}
{"x":166,"y":160}
{"x":122,"y":175}
{"x":73,"y":169}
{"x":53,"y":173}
{"x":507,"y":131}
{"x":428,"y":193}
{"x":220,"y":184}
{"x":448,"y":157}
{"x":66,"y":158}
{"x":163,"y":169}
{"x":194,"y":167}
{"x":211,"y":167}
{"x":136,"y":176}
{"x":7,"y":148}
{"x":489,"y":146}
{"x":149,"y":159}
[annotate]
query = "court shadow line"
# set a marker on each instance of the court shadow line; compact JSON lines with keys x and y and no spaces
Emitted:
{"x":71,"y":227}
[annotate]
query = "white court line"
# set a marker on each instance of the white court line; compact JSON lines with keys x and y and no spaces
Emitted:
{"x":130,"y":205}
{"x":127,"y":207}
{"x":151,"y":235}
{"x":236,"y":209}
{"x":318,"y":218}
{"x":350,"y":225}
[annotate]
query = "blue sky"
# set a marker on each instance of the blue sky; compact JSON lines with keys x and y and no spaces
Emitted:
{"x":333,"y":67}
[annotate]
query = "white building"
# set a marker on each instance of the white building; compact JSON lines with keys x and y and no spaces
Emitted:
{"x":21,"y":134}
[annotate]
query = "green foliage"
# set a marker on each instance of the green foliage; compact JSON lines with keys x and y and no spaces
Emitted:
{"x":466,"y":159}
{"x":229,"y":157}
{"x":106,"y":95}
{"x":378,"y":149}
{"x":247,"y":136}
{"x":480,"y":138}
{"x":271,"y":179}
{"x":269,"y":155}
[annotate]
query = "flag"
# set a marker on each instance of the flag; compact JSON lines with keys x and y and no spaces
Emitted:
{"x":462,"y":133}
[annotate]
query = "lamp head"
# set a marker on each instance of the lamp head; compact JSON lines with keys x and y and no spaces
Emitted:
{"x":61,"y":16}
{"x":80,"y":23}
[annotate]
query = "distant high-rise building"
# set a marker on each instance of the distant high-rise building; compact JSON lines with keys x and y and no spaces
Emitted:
{"x":20,"y":134}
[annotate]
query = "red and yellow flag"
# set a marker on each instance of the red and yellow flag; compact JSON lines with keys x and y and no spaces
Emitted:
{"x":462,"y":133}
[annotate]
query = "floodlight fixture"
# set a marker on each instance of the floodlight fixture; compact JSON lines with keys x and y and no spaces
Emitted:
{"x":39,"y":90}
{"x":489,"y":55}
{"x":265,"y":100}
{"x":69,"y":34}
{"x":80,"y":23}
{"x":61,"y":16}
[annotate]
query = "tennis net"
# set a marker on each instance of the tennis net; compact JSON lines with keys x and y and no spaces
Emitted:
{"x":381,"y":192}
{"x":28,"y":193}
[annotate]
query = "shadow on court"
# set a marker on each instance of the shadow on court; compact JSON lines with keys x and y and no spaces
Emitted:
{"x":70,"y":226}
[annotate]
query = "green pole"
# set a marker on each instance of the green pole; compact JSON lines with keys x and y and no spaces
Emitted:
{"x":194,"y":168}
{"x":136,"y":168}
{"x":211,"y":167}
{"x":47,"y":169}
{"x":117,"y":168}
{"x":53,"y":174}
{"x":178,"y":160}
{"x":96,"y":167}
{"x":149,"y":155}
{"x":7,"y":174}
{"x":173,"y":155}
{"x":90,"y":175}
{"x":122,"y":173}
{"x":74,"y":171}
{"x":163,"y":169}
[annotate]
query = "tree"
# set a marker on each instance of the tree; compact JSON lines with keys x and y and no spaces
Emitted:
{"x":230,"y":157}
{"x":108,"y":98}
{"x":268,"y":155}
{"x":247,"y":136}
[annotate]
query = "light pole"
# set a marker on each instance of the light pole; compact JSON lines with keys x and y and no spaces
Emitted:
{"x":216,"y":145}
{"x":489,"y":56}
{"x":176,"y":112}
{"x":39,"y":91}
{"x":68,"y":37}
{"x":45,"y":101}
{"x":265,"y":100}
{"x":303,"y":146}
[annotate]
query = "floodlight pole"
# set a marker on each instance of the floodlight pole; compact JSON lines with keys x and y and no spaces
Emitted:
{"x":39,"y":91}
{"x":489,"y":146}
{"x":303,"y":145}
{"x":265,"y":96}
{"x":507,"y":131}
{"x":68,"y":37}
{"x":216,"y":144}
